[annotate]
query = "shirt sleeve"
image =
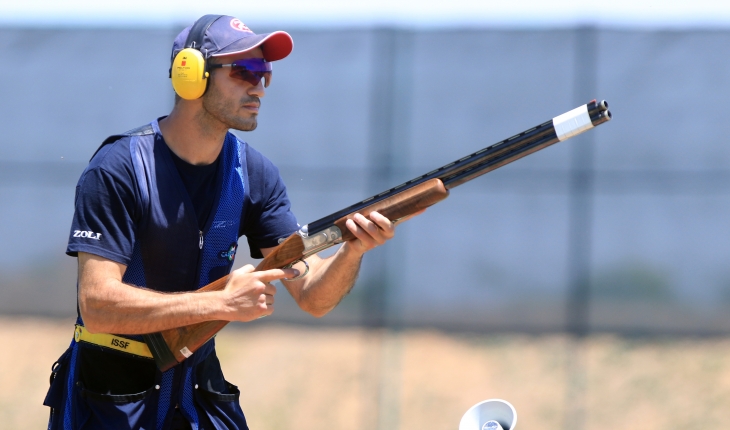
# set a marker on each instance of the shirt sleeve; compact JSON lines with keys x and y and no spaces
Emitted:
{"x":103,"y":222}
{"x":267,"y":216}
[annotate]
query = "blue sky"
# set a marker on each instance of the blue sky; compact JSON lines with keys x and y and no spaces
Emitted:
{"x":413,"y":13}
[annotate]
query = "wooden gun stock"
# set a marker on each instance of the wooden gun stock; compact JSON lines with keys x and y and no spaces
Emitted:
{"x":171,"y":347}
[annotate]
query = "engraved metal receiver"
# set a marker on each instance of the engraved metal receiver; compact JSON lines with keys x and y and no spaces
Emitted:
{"x":321,"y":240}
{"x":313,"y":244}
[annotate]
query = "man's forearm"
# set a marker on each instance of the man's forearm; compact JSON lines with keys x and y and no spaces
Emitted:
{"x":329,"y":280}
{"x":114,"y":307}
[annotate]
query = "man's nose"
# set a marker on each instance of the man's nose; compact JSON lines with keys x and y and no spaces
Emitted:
{"x":257,"y":90}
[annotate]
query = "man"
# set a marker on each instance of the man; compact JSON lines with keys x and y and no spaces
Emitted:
{"x":159,"y":211}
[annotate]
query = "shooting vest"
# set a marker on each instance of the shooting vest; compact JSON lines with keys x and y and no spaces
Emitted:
{"x":170,"y":254}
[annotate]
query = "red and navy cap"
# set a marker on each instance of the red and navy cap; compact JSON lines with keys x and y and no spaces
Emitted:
{"x":227,"y":35}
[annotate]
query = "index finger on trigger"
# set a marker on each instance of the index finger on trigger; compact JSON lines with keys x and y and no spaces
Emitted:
{"x":276,"y":274}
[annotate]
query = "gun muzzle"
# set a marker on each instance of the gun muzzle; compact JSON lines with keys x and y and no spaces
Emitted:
{"x":601,"y":117}
{"x":594,"y":107}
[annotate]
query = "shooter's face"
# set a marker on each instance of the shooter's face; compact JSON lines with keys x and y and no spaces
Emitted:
{"x":233,"y":102}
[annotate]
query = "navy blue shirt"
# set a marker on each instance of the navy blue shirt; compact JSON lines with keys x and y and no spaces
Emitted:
{"x":107,"y":204}
{"x":200,"y":183}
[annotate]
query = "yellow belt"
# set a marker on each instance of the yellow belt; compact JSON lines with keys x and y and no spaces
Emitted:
{"x":111,"y":341}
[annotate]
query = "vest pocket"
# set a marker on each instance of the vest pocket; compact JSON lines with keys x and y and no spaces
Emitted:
{"x":103,"y":370}
{"x":120,"y":411}
{"x":223,"y":410}
{"x":115,"y":390}
{"x":59,"y":374}
{"x":56,"y":396}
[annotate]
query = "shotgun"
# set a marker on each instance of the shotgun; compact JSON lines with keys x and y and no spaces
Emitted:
{"x":171,"y":347}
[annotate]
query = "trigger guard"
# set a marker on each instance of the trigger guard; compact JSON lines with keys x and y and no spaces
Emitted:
{"x":289,"y":266}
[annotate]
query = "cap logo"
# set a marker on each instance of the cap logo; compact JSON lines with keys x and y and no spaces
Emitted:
{"x":238,"y":25}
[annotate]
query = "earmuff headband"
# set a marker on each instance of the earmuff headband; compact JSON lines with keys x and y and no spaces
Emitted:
{"x":197,"y":32}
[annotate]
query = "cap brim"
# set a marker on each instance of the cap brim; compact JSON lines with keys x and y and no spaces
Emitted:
{"x":275,"y":46}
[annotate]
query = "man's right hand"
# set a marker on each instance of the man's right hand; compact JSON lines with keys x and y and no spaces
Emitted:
{"x":249,"y":295}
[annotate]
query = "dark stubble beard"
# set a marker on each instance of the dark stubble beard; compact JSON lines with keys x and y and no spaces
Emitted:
{"x":226,"y":110}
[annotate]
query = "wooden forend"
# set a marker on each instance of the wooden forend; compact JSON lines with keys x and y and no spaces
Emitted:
{"x":400,"y":205}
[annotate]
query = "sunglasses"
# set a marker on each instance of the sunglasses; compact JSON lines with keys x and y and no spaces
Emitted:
{"x":251,"y":70}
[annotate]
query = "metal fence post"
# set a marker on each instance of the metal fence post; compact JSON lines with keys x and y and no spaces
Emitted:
{"x":581,"y":196}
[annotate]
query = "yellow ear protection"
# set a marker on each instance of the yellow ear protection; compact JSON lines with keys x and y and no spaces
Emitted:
{"x":189,"y":72}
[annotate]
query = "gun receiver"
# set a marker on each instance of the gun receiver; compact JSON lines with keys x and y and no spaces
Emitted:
{"x":171,"y":347}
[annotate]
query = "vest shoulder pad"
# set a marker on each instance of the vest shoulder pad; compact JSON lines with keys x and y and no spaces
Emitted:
{"x":139,"y":131}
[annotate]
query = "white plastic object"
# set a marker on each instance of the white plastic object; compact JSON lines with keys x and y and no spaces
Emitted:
{"x":478,"y":416}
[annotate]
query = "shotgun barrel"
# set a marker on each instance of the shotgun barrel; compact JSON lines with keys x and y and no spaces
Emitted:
{"x":485,"y":160}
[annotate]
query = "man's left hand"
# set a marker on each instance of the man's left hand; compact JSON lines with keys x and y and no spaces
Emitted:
{"x":369,"y":233}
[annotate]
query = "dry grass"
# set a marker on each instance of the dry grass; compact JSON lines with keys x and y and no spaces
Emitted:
{"x":346,"y":378}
